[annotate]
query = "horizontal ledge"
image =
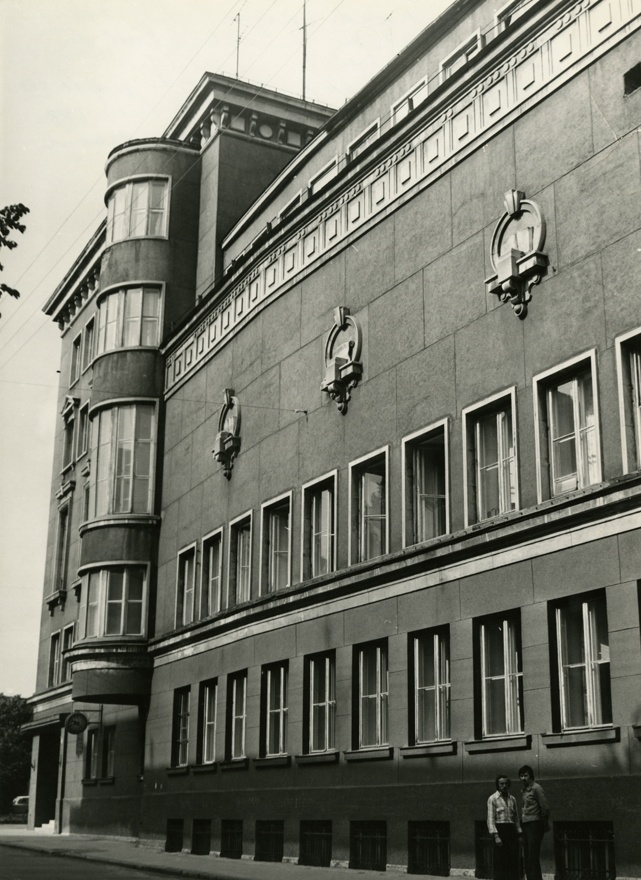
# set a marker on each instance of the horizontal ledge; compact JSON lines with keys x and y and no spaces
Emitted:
{"x":178,"y":771}
{"x":272,"y":761}
{"x":426,"y":750}
{"x":108,"y":780}
{"x":235,"y":764}
{"x":90,"y":782}
{"x":582,"y":737}
{"x":318,"y":758}
{"x":380,"y":754}
{"x":204,"y":768}
{"x":499,"y":744}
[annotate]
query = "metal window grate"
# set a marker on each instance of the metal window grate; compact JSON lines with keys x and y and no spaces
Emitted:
{"x":201,"y":837}
{"x":231,"y":838}
{"x":315,"y":843}
{"x":269,"y":840}
{"x":428,"y":848}
{"x":174,"y":840}
{"x":484,"y":849}
{"x":584,"y":851}
{"x":368,"y":845}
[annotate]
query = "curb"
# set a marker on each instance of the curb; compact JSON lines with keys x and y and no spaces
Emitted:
{"x":139,"y":866}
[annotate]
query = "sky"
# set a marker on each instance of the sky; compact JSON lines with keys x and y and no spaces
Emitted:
{"x":77,"y":78}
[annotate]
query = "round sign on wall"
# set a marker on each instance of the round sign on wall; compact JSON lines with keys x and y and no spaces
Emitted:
{"x":76,"y":723}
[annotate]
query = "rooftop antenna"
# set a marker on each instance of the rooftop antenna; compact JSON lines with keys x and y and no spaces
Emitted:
{"x":237,"y":19}
{"x":304,"y":45}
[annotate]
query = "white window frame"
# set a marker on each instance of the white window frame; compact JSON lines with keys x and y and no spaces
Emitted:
{"x":290,"y":206}
{"x":63,"y":540}
{"x":366,"y":137}
{"x":468,"y":49}
{"x":95,"y":416}
{"x":55,"y":659}
{"x":267,"y":583}
{"x":512,"y":676}
{"x":355,"y":532}
{"x":232,"y":561}
{"x":471,"y":416}
{"x":510,"y":13}
{"x":214,"y":604}
{"x":128,"y":182}
{"x":88,"y":348}
{"x":628,"y":349}
{"x":237,"y":718}
{"x":119,"y":292}
{"x":190,"y":551}
{"x":180,"y":727}
{"x":380,"y":696}
{"x":93,"y":753}
{"x":323,"y":177}
{"x":99,"y":598}
{"x":82,"y":436}
{"x":408,"y":443}
{"x":407,"y":100}
{"x":208,"y":720}
{"x":75,"y":368}
{"x":327,"y":704}
{"x":276,"y":674}
{"x":108,"y":751}
{"x":308,"y":491}
{"x":591,"y":663}
{"x":541,"y":384}
{"x":67,"y":640}
{"x":438,"y":639}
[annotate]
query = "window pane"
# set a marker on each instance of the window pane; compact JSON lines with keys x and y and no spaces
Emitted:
{"x":428,"y":470}
{"x":132,"y":317}
{"x":372,"y":512}
{"x":115,"y":591}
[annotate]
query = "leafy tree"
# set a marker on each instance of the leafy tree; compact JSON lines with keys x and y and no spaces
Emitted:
{"x":10,"y":217}
{"x":15,"y":750}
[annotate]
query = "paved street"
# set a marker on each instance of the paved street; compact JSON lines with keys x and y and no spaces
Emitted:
{"x":18,"y":864}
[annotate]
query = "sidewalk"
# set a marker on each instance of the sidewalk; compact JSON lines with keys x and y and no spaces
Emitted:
{"x":129,"y":853}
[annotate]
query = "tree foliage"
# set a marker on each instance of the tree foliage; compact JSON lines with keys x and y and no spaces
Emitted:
{"x":10,"y":217}
{"x":15,"y":750}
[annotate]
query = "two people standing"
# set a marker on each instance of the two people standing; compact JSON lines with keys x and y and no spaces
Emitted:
{"x":505,"y":825}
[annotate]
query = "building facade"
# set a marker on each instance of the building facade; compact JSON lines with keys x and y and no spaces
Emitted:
{"x":346,"y":510}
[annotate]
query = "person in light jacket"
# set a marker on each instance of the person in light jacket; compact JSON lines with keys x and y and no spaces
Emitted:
{"x":535,"y":816}
{"x":503,"y":824}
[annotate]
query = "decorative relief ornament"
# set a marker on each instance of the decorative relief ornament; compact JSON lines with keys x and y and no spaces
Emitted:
{"x":343,"y":368}
{"x":227,"y":444}
{"x":517,"y":252}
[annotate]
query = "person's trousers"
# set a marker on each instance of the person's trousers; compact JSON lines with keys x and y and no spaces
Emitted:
{"x":532,"y":839}
{"x":506,"y":856}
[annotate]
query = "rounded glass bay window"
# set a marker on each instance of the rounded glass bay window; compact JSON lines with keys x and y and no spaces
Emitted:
{"x":123,"y":459}
{"x":129,"y":318}
{"x":114,"y":602}
{"x":137,"y":209}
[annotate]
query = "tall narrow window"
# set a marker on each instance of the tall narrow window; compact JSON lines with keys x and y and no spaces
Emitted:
{"x":240,"y":560}
{"x":573,"y":434}
{"x":431,"y":659}
{"x":425,"y":486}
{"x":108,"y":752}
{"x":75,"y":359}
{"x":276,"y":545}
{"x":137,"y":208}
{"x":211,"y":600}
{"x":491,"y":469}
{"x":369,"y":508}
{"x":82,"y":441}
{"x":62,"y":548}
{"x":88,"y":345}
{"x":180,"y":736}
{"x":124,"y":455}
{"x":186,"y":586}
{"x":319,"y":528}
{"x":54,"y":660}
{"x":69,"y":422}
{"x":237,"y":714}
{"x":275,"y":709}
{"x":92,"y":754}
{"x":67,"y":644}
{"x":501,"y":675}
{"x":373,"y":692}
{"x":207,"y":732}
{"x":321,"y":693}
{"x":583,"y":652}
